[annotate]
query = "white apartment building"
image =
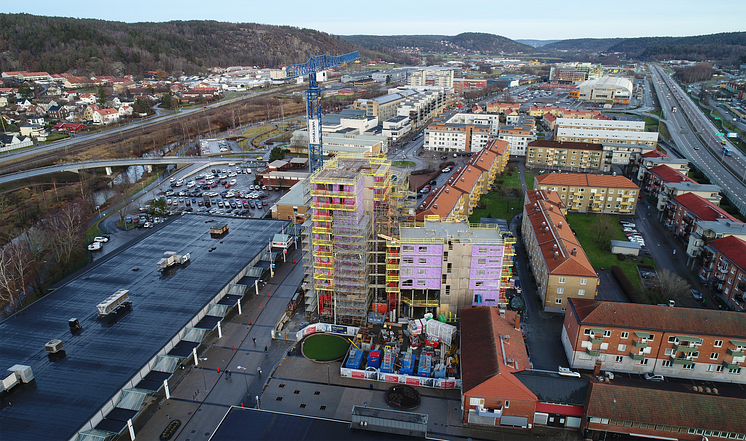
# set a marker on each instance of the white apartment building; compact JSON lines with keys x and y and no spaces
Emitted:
{"x":598,"y":136}
{"x":600,"y":124}
{"x":432,"y":76}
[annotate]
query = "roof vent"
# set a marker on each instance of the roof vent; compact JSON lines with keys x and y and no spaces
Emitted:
{"x":556,"y":254}
{"x":574,"y":251}
{"x":543,"y":224}
{"x":435,"y":205}
{"x":559,"y":225}
{"x":554,"y":247}
{"x":546,"y":230}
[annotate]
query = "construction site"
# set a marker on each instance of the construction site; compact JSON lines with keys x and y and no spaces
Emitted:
{"x":364,"y":256}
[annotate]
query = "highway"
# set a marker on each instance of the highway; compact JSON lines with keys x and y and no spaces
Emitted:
{"x":705,"y":150}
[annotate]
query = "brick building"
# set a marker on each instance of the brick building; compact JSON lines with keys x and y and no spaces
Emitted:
{"x":684,"y":211}
{"x":461,"y":85}
{"x":724,"y":266}
{"x":586,"y":193}
{"x":675,"y":342}
{"x":570,"y":156}
{"x":561,"y":268}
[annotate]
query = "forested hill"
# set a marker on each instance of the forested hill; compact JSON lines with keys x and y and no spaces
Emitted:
{"x":725,"y":48}
{"x":487,"y":44}
{"x":84,"y":46}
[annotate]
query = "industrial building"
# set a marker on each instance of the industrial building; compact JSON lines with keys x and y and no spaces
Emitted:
{"x":574,"y":73}
{"x":111,"y":364}
{"x":606,"y":90}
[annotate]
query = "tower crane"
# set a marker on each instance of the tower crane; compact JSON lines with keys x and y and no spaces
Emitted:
{"x":316,"y":64}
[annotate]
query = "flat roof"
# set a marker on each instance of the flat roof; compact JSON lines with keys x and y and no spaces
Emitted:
{"x":101,"y":359}
{"x":263,"y":425}
{"x":445,"y":230}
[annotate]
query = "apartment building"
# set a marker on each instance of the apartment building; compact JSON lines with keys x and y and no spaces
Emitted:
{"x":658,"y":177}
{"x":559,"y":264}
{"x":684,"y":211}
{"x":606,"y":90}
{"x":569,"y":156}
{"x":724,"y":266}
{"x":446,"y":266}
{"x":574,"y":73}
{"x":396,"y":127}
{"x":460,"y":194}
{"x":617,"y":136}
{"x":424,"y":105}
{"x":706,"y":231}
{"x":353,"y":200}
{"x":382,"y":107}
{"x":597,"y":124}
{"x":654,"y":158}
{"x":461,"y":85}
{"x":518,"y":135}
{"x":694,"y":343}
{"x":460,"y":132}
{"x":497,"y":107}
{"x":590,"y":193}
{"x":623,"y":155}
{"x":439,"y":77}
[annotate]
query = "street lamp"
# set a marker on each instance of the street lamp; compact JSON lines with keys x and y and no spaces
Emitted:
{"x":244,"y":379}
{"x":203,"y":375}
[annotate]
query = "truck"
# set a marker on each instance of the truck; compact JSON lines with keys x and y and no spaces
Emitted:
{"x":115,"y":302}
{"x":171,"y":258}
{"x":673,"y":109}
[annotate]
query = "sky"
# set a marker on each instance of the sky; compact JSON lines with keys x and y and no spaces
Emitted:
{"x":515,"y":19}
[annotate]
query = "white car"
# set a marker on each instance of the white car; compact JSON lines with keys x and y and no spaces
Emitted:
{"x":231,"y":164}
{"x":147,"y":225}
{"x":102,"y":239}
{"x":233,"y":182}
{"x":95,"y":246}
{"x":191,"y":184}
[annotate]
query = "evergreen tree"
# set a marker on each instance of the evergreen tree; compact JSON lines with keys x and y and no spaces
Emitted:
{"x":101,"y":96}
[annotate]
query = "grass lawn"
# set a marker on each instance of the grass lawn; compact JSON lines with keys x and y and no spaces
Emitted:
{"x":325,"y":347}
{"x":601,"y":257}
{"x":403,"y":164}
{"x":497,"y":207}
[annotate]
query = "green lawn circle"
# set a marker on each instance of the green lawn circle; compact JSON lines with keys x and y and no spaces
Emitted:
{"x":324,"y":347}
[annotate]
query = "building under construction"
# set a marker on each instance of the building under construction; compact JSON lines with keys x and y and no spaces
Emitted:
{"x":356,"y":202}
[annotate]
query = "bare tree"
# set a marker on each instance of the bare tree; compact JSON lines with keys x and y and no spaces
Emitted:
{"x":672,"y":287}
{"x":38,"y":245}
{"x":15,"y":272}
{"x":122,"y":205}
{"x":64,"y":228}
{"x":603,"y":229}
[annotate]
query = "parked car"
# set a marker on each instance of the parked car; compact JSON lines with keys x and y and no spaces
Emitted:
{"x":102,"y":239}
{"x":95,"y":246}
{"x":696,"y":294}
{"x":654,"y":377}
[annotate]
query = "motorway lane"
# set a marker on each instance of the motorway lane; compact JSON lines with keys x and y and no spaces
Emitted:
{"x":709,"y":158}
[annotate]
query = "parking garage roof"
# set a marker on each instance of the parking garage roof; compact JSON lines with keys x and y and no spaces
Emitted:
{"x":101,"y":359}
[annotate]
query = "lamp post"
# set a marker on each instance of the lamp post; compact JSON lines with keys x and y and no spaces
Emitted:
{"x":244,"y":379}
{"x":203,"y":375}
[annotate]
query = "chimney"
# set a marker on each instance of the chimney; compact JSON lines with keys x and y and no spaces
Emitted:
{"x":574,"y":251}
{"x":517,"y":322}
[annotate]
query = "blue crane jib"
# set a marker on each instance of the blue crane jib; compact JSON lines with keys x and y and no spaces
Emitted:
{"x":313,"y":96}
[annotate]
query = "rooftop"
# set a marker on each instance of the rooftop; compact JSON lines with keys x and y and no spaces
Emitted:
{"x":444,"y":231}
{"x":102,"y":359}
{"x":687,"y":321}
{"x":733,"y":248}
{"x":668,"y":174}
{"x":585,"y":180}
{"x":702,"y":208}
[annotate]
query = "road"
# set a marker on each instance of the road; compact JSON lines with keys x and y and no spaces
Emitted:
{"x":685,"y":124}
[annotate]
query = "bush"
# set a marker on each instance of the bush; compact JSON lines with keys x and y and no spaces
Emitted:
{"x":626,"y":285}
{"x":620,"y":257}
{"x":170,"y":429}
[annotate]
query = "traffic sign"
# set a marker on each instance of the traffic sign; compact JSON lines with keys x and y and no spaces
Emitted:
{"x":720,"y":134}
{"x":732,"y":135}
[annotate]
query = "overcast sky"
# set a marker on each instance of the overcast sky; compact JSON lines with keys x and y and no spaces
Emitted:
{"x":515,"y":19}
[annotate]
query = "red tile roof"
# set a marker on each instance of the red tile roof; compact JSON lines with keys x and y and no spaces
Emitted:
{"x":654,"y":154}
{"x":654,"y":406}
{"x":484,"y":372}
{"x":587,"y":180}
{"x":733,"y":248}
{"x":701,"y":207}
{"x":669,"y":175}
{"x":652,"y":317}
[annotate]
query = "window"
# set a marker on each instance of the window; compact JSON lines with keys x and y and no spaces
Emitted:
{"x":621,"y":348}
{"x":421,"y":260}
{"x":720,"y":368}
{"x":481,"y":261}
{"x":581,"y":292}
{"x":714,"y":356}
{"x":734,"y":371}
{"x":560,"y":290}
{"x":643,"y":362}
{"x":407,"y":271}
{"x":718,"y":343}
{"x":625,"y":335}
{"x":406,"y":248}
{"x":507,"y":404}
{"x":611,"y":191}
{"x":421,"y":272}
{"x":561,"y":280}
{"x":558,"y":301}
{"x":672,"y":339}
{"x":583,"y":281}
{"x":668,"y":351}
{"x":406,"y":282}
{"x":688,"y":367}
{"x":422,"y":249}
{"x":666,"y":363}
{"x":618,"y":359}
{"x":444,"y":278}
{"x":607,"y":333}
{"x":480,"y":272}
{"x":449,"y":268}
{"x":479,"y":284}
{"x":420,"y":283}
{"x":445,"y":256}
{"x":448,"y":290}
{"x":587,"y":331}
{"x":482,"y":249}
{"x":407,"y":259}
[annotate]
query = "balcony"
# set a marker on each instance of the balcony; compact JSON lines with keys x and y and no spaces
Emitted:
{"x":636,"y":356}
{"x":685,"y":349}
{"x":593,"y":352}
{"x":731,"y":365}
{"x":596,"y":340}
{"x":682,"y":360}
{"x":734,"y":352}
{"x":640,"y":343}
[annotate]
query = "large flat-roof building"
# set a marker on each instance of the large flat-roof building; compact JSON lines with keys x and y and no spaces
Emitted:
{"x":606,"y":90}
{"x":111,"y":368}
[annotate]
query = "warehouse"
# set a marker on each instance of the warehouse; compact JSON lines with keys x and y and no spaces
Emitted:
{"x":606,"y":90}
{"x":109,"y":369}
